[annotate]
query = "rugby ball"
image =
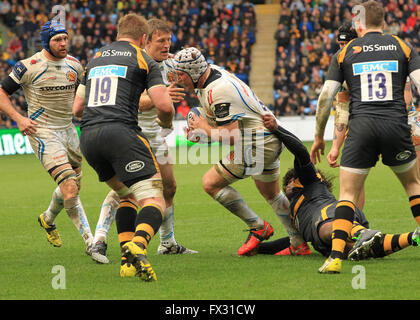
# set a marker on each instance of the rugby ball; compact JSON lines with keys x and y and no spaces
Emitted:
{"x":197,"y":135}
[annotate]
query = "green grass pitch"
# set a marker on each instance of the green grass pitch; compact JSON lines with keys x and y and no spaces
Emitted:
{"x":28,"y":261}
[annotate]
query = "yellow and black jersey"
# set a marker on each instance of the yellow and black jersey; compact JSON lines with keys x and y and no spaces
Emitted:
{"x":310,"y":193}
{"x":114,"y":80}
{"x":375,"y":67}
{"x":311,"y":202}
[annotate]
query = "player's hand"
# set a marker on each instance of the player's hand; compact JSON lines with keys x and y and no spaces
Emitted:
{"x":332,"y":157}
{"x":189,"y":135}
{"x":169,"y":125}
{"x":197,"y":122}
{"x":177,"y":94}
{"x":26,"y":126}
{"x":317,"y":147}
{"x":166,"y":132}
{"x":270,"y":122}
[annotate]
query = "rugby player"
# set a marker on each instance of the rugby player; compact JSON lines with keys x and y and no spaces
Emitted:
{"x":114,"y":145}
{"x":375,"y":67}
{"x":233,"y":116}
{"x":346,"y":33}
{"x":157,"y":47}
{"x":312,"y":207}
{"x":49,"y":79}
{"x":158,"y":43}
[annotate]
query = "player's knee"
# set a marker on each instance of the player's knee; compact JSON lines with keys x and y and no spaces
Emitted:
{"x":69,"y":188}
{"x":67,"y":179}
{"x":208,"y":186}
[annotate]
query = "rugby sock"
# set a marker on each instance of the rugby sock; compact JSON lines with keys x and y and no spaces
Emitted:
{"x":56,"y":205}
{"x":233,"y":201}
{"x":125,"y":219}
{"x":415,"y":207}
{"x":148,"y":222}
{"x":107,"y":216}
{"x":355,"y":229}
{"x":341,"y":228}
{"x":77,"y":214}
{"x":280,"y":205}
{"x":393,"y":243}
{"x":272,"y":247}
{"x":166,"y":231}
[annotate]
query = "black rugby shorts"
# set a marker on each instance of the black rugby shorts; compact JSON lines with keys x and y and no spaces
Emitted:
{"x":116,"y":149}
{"x":368,"y":138}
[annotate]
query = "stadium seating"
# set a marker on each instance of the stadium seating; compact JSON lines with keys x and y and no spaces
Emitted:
{"x":225,"y":33}
{"x":305,"y":36}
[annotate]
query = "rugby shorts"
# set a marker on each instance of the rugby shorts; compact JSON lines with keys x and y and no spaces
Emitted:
{"x":251,"y":160}
{"x":368,"y":138}
{"x":318,"y":218}
{"x":55,"y":147}
{"x":117,"y":149}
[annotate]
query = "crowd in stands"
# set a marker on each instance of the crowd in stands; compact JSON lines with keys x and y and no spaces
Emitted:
{"x":306,"y":41}
{"x":224,"y":32}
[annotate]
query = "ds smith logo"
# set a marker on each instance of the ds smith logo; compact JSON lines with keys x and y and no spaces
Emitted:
{"x":377,"y":47}
{"x":357,"y":49}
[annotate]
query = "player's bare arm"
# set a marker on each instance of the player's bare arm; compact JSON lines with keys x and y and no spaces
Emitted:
{"x":163,"y":103}
{"x":340,"y":127}
{"x":177,"y":95}
{"x":329,"y":90}
{"x":216,"y":133}
{"x":79,"y":102}
{"x":25,"y":125}
{"x":145,"y":103}
{"x":415,"y":78}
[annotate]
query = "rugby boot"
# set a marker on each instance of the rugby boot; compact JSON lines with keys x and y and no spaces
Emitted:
{"x":137,"y":256}
{"x":127,"y":269}
{"x":99,"y":252}
{"x":254,"y":239}
{"x":416,"y":237}
{"x":301,"y":250}
{"x":173,"y":248}
{"x":366,"y":241}
{"x":53,"y":236}
{"x":331,"y":266}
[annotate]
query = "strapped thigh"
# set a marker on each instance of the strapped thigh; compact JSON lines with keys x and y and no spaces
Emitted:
{"x":62,"y":173}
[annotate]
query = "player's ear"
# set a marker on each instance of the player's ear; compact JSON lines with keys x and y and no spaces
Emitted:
{"x":142,"y":41}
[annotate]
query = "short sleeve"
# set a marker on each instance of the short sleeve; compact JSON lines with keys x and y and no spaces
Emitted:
{"x":334,"y":71}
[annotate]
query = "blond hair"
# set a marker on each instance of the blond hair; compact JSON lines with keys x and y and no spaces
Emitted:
{"x":374,"y":14}
{"x":132,"y":26}
{"x":154,"y":25}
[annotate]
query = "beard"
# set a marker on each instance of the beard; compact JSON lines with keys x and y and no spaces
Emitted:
{"x":61,"y":54}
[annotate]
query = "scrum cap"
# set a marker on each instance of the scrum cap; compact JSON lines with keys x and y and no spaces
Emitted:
{"x":49,"y":30}
{"x":192,"y":62}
